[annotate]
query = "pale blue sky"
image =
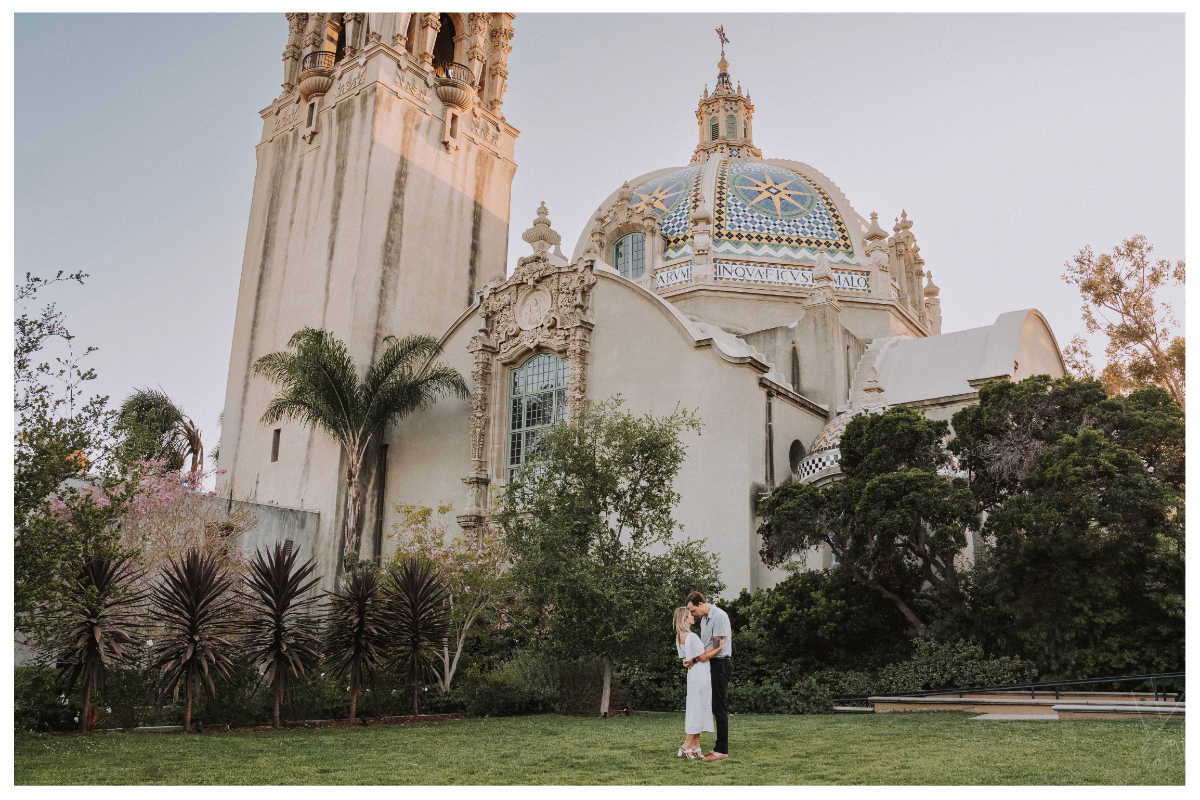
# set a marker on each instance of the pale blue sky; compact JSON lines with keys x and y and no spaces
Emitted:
{"x":1011,"y":140}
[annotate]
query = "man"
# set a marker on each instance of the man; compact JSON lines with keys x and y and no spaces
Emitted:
{"x":716,"y":634}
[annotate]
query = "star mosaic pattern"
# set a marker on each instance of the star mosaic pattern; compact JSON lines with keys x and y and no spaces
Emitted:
{"x":831,"y":436}
{"x":765,"y":204}
{"x":668,"y":196}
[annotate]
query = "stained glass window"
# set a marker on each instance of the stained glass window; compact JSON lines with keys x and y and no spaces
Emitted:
{"x":538,"y":400}
{"x":629,"y":255}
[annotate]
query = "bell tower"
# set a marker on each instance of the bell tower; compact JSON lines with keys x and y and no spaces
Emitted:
{"x":726,"y":118}
{"x":380,"y":207}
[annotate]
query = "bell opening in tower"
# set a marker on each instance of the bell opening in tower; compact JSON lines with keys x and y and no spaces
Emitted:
{"x":443,"y":46}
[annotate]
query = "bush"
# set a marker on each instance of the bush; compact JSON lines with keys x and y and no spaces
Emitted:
{"x":527,"y":684}
{"x":315,"y":695}
{"x":39,"y":705}
{"x":936,"y":665}
{"x":240,"y":699}
{"x":770,"y":698}
{"x":130,"y":696}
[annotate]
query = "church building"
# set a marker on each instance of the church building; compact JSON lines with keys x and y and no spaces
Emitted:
{"x":737,"y":284}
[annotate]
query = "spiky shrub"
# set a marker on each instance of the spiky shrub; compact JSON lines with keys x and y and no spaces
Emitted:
{"x":104,"y":614}
{"x":417,"y":619}
{"x":281,"y":630}
{"x":193,"y":604}
{"x":355,"y":636}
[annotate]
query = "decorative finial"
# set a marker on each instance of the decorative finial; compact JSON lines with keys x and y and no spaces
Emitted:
{"x":541,"y":235}
{"x":905,"y":222}
{"x":873,"y":389}
{"x":625,"y":193}
{"x":874,"y":232}
{"x":931,"y":288}
{"x":724,"y":39}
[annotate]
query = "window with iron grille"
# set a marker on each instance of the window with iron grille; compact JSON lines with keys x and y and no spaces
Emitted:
{"x":629,"y":255}
{"x":538,"y":400}
{"x":716,"y":128}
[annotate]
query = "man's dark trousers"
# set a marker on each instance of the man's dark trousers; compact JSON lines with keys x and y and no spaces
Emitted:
{"x":721,"y":670}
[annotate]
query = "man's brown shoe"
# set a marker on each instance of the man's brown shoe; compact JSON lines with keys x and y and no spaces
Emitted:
{"x":715,"y":756}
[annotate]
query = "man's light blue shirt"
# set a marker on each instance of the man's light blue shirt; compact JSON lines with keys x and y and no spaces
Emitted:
{"x":716,"y":624}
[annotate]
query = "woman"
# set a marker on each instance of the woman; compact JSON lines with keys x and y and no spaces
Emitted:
{"x":698,"y":716}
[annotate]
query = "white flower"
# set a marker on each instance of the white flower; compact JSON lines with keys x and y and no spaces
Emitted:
{"x":108,"y":711}
{"x":77,"y":718}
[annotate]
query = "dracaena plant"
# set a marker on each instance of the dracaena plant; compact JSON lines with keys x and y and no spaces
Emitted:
{"x":192,"y":602}
{"x":355,"y":637}
{"x":104,"y":616}
{"x":281,"y":630}
{"x":417,"y":619}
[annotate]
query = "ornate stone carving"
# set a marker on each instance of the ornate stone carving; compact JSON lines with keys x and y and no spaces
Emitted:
{"x":542,"y":307}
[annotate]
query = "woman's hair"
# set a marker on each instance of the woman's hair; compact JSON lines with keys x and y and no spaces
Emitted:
{"x":680,"y":625}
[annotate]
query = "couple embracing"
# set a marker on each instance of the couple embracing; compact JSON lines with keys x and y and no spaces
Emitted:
{"x":709,"y":665}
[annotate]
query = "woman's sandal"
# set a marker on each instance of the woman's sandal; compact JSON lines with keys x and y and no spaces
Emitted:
{"x":694,"y":753}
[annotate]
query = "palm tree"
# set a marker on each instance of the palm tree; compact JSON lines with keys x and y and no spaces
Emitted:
{"x":105,"y":615}
{"x":355,"y":638}
{"x":417,"y":620}
{"x":194,"y":604}
{"x":319,"y":386}
{"x":280,"y":631}
{"x":153,"y":426}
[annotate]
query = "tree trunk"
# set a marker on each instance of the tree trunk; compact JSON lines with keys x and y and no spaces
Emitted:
{"x":278,"y":695}
{"x":606,"y":692}
{"x":353,"y":706}
{"x":446,"y":673}
{"x":353,"y":508}
{"x":83,"y":715}
{"x":187,"y":713}
{"x":416,"y":702}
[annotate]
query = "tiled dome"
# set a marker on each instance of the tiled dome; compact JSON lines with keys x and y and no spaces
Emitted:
{"x":673,"y":197}
{"x":831,"y":436}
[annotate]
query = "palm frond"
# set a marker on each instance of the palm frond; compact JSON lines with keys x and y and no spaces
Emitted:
{"x":416,"y":617}
{"x":355,"y":638}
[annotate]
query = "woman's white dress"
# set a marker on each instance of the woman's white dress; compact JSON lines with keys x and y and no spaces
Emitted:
{"x":698,"y":716}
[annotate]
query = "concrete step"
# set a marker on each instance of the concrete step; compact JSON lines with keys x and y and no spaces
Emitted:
{"x":853,"y":710}
{"x":1121,"y":711}
{"x":992,"y":704}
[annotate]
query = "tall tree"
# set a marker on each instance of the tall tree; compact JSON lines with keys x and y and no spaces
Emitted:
{"x":891,"y":518}
{"x":582,"y":518}
{"x":280,"y":628}
{"x":1082,"y":560}
{"x":1119,"y":300}
{"x":153,"y":427}
{"x":319,"y":386}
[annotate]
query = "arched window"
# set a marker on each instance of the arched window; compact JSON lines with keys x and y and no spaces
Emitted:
{"x":411,"y":41}
{"x":539,"y":400}
{"x":716,"y":128}
{"x":443,"y":45}
{"x":731,"y":127}
{"x":629,"y":255}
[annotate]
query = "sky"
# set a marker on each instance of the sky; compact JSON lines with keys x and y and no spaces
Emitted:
{"x":1012,"y":141}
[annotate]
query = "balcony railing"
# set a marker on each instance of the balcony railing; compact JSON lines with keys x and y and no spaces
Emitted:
{"x":448,"y":70}
{"x":322,"y":59}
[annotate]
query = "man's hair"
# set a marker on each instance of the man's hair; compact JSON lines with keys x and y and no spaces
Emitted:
{"x":694,"y":599}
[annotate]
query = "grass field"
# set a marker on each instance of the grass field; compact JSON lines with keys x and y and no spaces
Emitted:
{"x":898,"y":748}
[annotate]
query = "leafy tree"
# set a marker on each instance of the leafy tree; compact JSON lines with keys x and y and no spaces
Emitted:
{"x":153,"y":427}
{"x":1083,"y":557}
{"x":356,"y":637}
{"x":105,"y":615}
{"x":1119,"y":301}
{"x":69,"y":492}
{"x":891,"y":521}
{"x":416,"y":617}
{"x":192,"y":602}
{"x":581,"y":520}
{"x":320,"y":387}
{"x":472,"y":568}
{"x":280,"y":629}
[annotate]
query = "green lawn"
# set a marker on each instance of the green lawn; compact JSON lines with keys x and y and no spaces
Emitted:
{"x":898,"y":748}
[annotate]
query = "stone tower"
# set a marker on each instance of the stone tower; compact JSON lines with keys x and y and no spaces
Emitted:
{"x":380,"y":207}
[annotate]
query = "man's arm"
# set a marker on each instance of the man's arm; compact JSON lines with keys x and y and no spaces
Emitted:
{"x":718,"y":643}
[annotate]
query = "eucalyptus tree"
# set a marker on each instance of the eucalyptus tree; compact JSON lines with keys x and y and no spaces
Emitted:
{"x":319,"y":386}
